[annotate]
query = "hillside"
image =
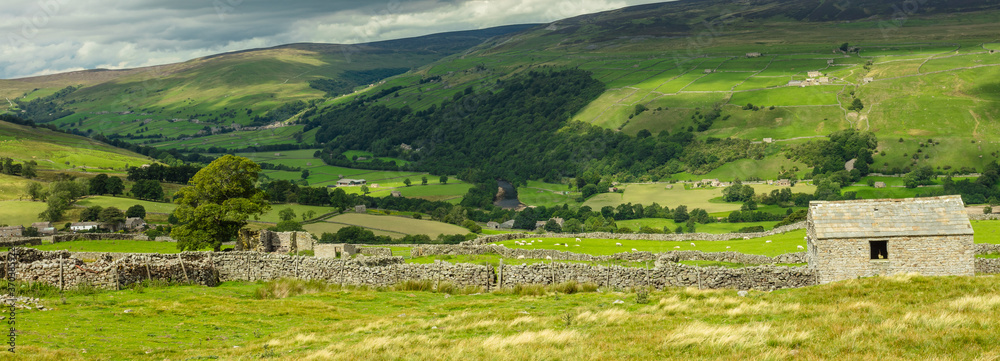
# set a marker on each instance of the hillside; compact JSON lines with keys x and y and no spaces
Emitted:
{"x":55,"y":150}
{"x":225,"y":88}
{"x":914,"y":76}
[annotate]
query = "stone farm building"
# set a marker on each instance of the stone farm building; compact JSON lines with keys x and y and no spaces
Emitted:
{"x":861,"y":238}
{"x":83,"y":226}
{"x":44,"y":228}
{"x":351,"y":182}
{"x":15,"y":231}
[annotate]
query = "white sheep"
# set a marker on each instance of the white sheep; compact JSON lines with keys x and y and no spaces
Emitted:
{"x":567,"y":245}
{"x":618,"y":244}
{"x":692,"y":244}
{"x":548,"y":257}
{"x":767,"y":241}
{"x":635,"y":250}
{"x":520,"y":257}
{"x":578,"y":240}
{"x":800,"y":247}
{"x":677,"y":246}
{"x":727,"y":247}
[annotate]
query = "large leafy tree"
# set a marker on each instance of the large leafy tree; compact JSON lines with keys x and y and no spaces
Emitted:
{"x":221,"y":198}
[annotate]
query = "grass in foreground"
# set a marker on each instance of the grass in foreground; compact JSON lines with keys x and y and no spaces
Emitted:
{"x":901,"y":317}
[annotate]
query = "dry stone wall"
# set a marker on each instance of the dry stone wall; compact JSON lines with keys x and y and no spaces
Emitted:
{"x":987,"y":265}
{"x":765,"y":278}
{"x":515,"y":253}
{"x":375,"y":251}
{"x":60,"y":269}
{"x":98,"y":236}
{"x":8,"y":242}
{"x":637,"y":236}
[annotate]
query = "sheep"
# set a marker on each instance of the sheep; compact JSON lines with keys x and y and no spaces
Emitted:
{"x":677,"y":246}
{"x":567,"y":245}
{"x":692,"y":244}
{"x":635,"y":250}
{"x":578,"y":240}
{"x":727,"y":247}
{"x":800,"y":247}
{"x":618,"y":244}
{"x":520,"y":257}
{"x":767,"y":241}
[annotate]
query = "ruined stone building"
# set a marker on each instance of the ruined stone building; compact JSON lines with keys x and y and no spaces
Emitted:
{"x":862,"y":238}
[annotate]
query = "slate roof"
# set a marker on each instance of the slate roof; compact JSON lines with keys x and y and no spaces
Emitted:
{"x":878,"y":218}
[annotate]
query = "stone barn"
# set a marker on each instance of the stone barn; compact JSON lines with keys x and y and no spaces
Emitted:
{"x":862,"y":238}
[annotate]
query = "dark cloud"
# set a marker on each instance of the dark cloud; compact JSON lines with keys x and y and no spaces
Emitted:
{"x":49,"y":36}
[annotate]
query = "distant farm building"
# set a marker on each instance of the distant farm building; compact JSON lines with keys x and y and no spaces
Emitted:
{"x":134,"y":223}
{"x":879,"y":185}
{"x":708,"y":71}
{"x":867,"y":80}
{"x":783,"y":183}
{"x":396,"y":194}
{"x":507,"y":225}
{"x":492,"y":225}
{"x":753,"y":55}
{"x":45,"y":228}
{"x":862,"y":238}
{"x":814,"y":74}
{"x":360,"y":208}
{"x":540,"y":225}
{"x":794,"y":83}
{"x":14,"y":231}
{"x":83,"y":226}
{"x":768,"y":140}
{"x":351,"y":182}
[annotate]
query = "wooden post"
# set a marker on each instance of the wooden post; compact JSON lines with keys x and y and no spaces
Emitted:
{"x":149,"y":276}
{"x":647,"y":274}
{"x":115,"y":267}
{"x":186,"y":278}
{"x":62,"y":279}
{"x":500,"y":275}
{"x":699,"y":279}
{"x":248,"y":267}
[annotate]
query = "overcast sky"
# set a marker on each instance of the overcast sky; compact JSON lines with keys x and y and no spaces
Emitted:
{"x":51,"y":36}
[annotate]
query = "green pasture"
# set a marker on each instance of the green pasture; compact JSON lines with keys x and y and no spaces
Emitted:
{"x":22,"y":213}
{"x":718,"y":81}
{"x":54,"y":150}
{"x":780,"y":244}
{"x":393,"y":226}
{"x":124,"y":203}
{"x":13,"y":187}
{"x":789,"y":96}
{"x":677,"y":195}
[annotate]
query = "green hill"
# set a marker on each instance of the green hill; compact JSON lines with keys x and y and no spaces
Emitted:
{"x":55,"y":150}
{"x":921,"y":74}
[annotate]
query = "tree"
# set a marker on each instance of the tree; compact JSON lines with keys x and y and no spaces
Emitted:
{"x":36,"y":191}
{"x":305,"y":173}
{"x":407,"y":182}
{"x":286,"y":214}
{"x":221,"y":198}
{"x":111,"y":217}
{"x":365,"y":190}
{"x":307,"y":215}
{"x":98,"y":184}
{"x":589,"y":190}
{"x":987,"y":210}
{"x":115,"y":186}
{"x":444,"y":179}
{"x":136,"y":211}
{"x":423,"y":180}
{"x":681,"y":214}
{"x":572,"y":225}
{"x":552,"y":226}
{"x":525,"y":219}
{"x":147,"y":189}
{"x":287,"y":226}
{"x":28,"y":170}
{"x":472,"y":226}
{"x":91,"y":214}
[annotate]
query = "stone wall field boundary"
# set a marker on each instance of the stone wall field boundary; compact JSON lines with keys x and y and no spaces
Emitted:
{"x":64,"y":270}
{"x":98,"y":236}
{"x":517,"y":253}
{"x":637,"y":236}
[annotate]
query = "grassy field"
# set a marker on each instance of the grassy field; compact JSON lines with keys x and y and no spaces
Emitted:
{"x":54,"y":150}
{"x":900,"y":317}
{"x":780,"y":244}
{"x":388,"y":225}
{"x":676,"y":195}
{"x":12,"y":187}
{"x":20,"y":212}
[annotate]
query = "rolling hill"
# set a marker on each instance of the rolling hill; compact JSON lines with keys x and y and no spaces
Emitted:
{"x":57,"y":151}
{"x":776,"y":72}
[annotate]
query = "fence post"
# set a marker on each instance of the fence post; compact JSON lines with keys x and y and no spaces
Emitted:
{"x":186,"y":278}
{"x":149,"y":276}
{"x":62,"y":280}
{"x":500,"y":275}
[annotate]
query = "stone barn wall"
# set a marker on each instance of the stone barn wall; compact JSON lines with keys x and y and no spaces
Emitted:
{"x":841,"y":259}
